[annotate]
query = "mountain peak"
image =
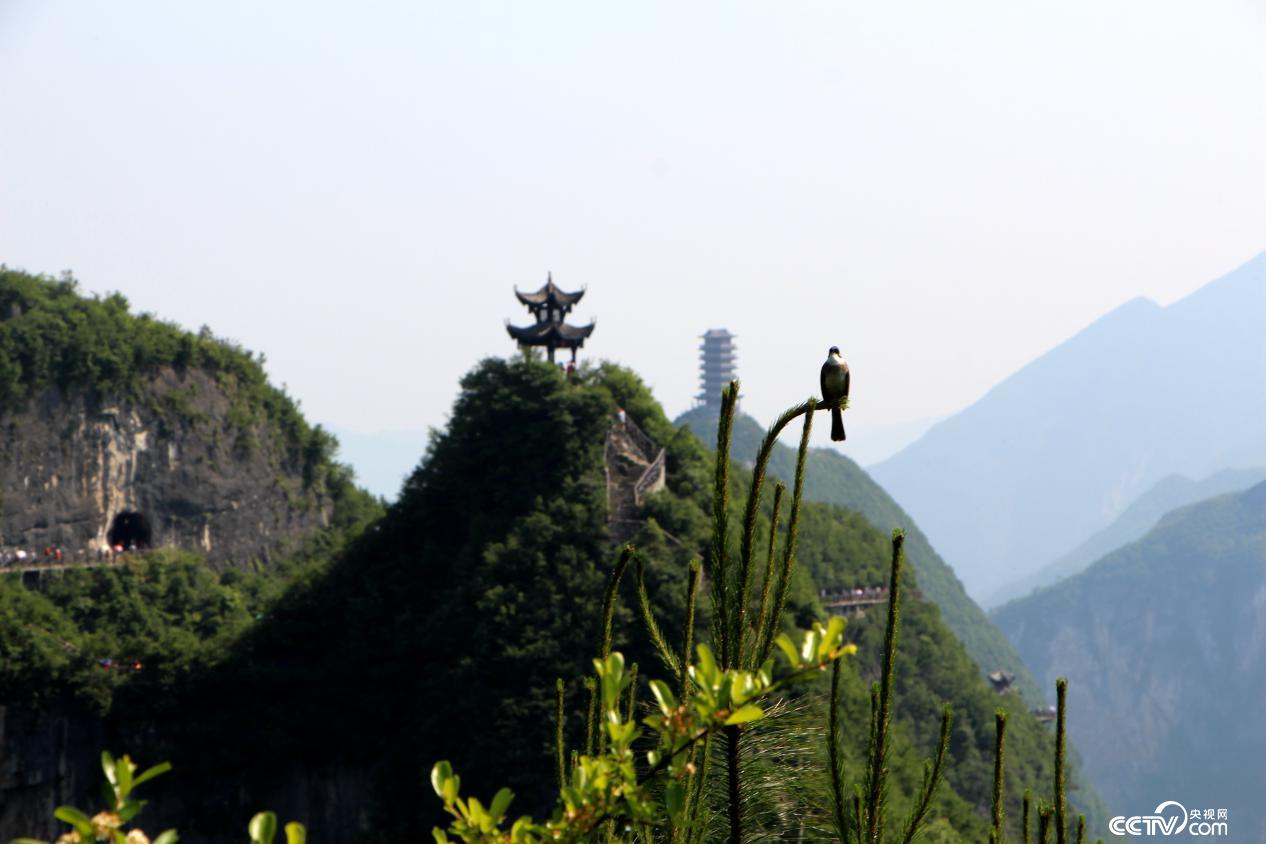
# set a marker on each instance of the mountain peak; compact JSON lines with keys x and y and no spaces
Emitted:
{"x":1055,"y":452}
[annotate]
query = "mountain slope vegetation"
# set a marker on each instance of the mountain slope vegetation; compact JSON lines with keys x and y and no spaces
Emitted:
{"x":1164,"y":643}
{"x":1059,"y":449}
{"x":835,"y":479}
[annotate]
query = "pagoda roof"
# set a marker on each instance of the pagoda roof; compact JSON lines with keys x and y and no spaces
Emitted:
{"x":542,"y":333}
{"x":550,"y":295}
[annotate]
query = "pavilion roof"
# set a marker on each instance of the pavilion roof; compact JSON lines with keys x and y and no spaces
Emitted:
{"x":550,"y":295}
{"x":541,"y":333}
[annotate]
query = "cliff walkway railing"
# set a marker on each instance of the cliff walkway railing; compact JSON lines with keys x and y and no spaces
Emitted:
{"x":651,"y":479}
{"x":623,"y":497}
{"x":840,"y":600}
{"x":12,"y":564}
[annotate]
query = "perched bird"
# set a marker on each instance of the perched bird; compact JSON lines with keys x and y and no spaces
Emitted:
{"x":834,"y":388}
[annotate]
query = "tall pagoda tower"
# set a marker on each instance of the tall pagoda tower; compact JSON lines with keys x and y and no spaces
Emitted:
{"x":717,"y":367}
{"x":550,"y":306}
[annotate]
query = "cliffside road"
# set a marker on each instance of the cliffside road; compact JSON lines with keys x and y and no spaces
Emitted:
{"x":28,"y":566}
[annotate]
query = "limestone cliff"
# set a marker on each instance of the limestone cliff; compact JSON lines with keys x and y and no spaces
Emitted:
{"x":175,"y":465}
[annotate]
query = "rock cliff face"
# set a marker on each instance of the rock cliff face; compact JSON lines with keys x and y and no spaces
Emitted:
{"x":180,"y":464}
{"x":43,"y":766}
{"x":52,"y":758}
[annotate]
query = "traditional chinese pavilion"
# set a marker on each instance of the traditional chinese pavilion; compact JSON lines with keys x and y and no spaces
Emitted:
{"x":550,"y":306}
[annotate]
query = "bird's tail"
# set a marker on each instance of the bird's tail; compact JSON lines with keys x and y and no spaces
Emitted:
{"x":837,"y":425}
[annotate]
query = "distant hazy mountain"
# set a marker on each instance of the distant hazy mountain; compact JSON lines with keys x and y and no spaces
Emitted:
{"x":868,"y":445}
{"x":1164,"y":645}
{"x":381,"y":460}
{"x":832,"y":478}
{"x":1058,"y":450}
{"x":1171,"y":493}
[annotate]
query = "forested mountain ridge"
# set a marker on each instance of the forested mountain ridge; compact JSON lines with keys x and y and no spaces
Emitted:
{"x":1164,"y":643}
{"x":1060,"y":448}
{"x":440,"y":631}
{"x":835,"y":479}
{"x":1141,"y":516}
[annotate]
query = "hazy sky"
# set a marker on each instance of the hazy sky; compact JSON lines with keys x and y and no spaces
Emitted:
{"x":944,"y":190}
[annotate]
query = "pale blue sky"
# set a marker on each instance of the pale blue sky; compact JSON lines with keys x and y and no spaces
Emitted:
{"x":944,"y":190}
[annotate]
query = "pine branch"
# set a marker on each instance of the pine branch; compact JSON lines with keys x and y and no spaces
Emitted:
{"x":608,"y":619}
{"x":931,"y":778}
{"x":753,"y":508}
{"x":879,"y":762}
{"x":688,"y":635}
{"x":793,"y":534}
{"x":1061,"y":825}
{"x":560,"y":751}
{"x":632,"y":692}
{"x":735,"y":803}
{"x":697,"y":797}
{"x":720,"y":564}
{"x":835,"y":757}
{"x":608,"y":601}
{"x":652,"y":626}
{"x":762,"y":618}
{"x":1000,"y":736}
{"x":591,"y":717}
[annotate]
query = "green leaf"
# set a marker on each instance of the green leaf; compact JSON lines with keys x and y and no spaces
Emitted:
{"x":500,"y":803}
{"x":809,"y":647}
{"x":160,"y":768}
{"x":74,"y":817}
{"x":663,"y":695}
{"x":263,"y":828}
{"x":707,"y":664}
{"x":612,"y":675}
{"x":751,"y":712}
{"x":834,"y":631}
{"x":784,"y":644}
{"x":107,"y":765}
{"x":27,"y":841}
{"x":123,"y":769}
{"x":296,"y":833}
{"x":168,"y":837}
{"x":441,"y":837}
{"x":442,"y":772}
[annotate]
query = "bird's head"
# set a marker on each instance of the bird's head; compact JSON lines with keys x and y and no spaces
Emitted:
{"x":834,"y":350}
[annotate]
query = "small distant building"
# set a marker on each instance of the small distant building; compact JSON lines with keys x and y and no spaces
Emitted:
{"x":717,"y":366}
{"x":1001,"y":680}
{"x":550,"y":306}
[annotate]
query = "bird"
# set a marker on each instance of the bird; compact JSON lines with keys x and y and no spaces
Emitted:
{"x":834,"y":388}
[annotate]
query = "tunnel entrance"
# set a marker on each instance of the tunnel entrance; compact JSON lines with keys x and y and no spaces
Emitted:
{"x":130,"y":530}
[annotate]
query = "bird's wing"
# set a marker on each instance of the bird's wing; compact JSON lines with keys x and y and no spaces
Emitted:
{"x":822,"y":379}
{"x":847,"y":378}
